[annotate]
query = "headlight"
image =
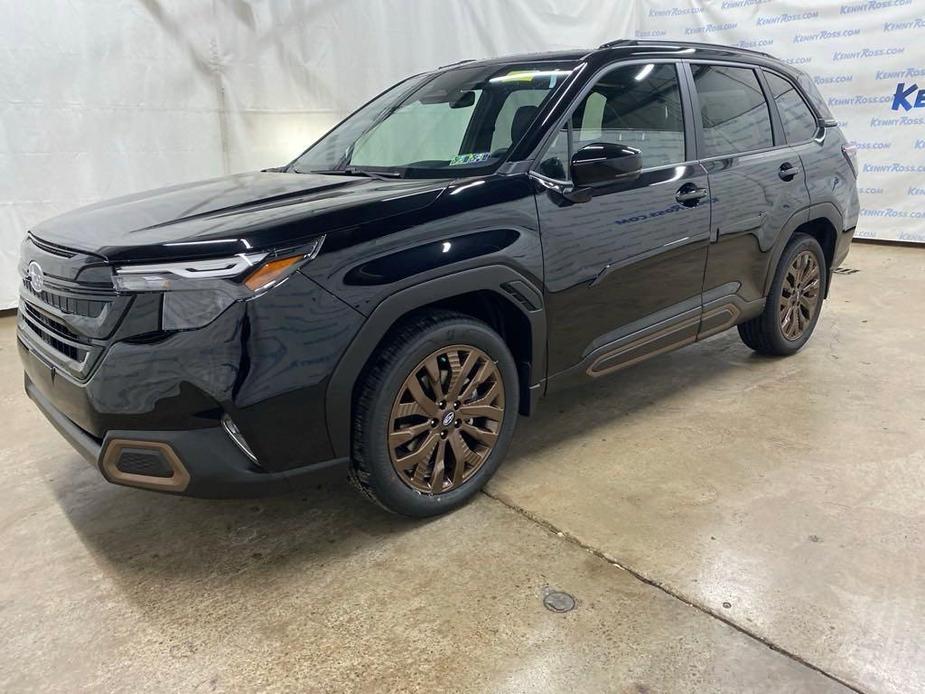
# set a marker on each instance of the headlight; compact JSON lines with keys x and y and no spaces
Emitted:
{"x":197,"y":291}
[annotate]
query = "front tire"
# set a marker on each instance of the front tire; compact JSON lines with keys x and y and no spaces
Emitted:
{"x":434,"y":414}
{"x":794,"y":301}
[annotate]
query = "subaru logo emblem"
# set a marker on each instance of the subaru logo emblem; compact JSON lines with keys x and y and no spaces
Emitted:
{"x":36,"y":277}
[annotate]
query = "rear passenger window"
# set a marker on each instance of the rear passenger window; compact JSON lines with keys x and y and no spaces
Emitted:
{"x":733,"y":109}
{"x":798,"y":121}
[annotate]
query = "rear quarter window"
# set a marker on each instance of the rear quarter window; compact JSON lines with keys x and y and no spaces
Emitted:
{"x":815,"y":97}
{"x":796,"y":117}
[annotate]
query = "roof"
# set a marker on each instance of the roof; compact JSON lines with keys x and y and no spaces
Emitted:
{"x":627,"y":48}
{"x":635,"y":46}
{"x":573,"y":55}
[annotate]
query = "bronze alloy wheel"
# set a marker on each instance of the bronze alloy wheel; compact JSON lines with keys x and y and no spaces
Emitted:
{"x":799,"y":299}
{"x":446,"y":419}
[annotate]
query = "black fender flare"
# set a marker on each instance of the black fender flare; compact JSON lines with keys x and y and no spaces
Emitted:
{"x":822,"y":210}
{"x":505,"y":281}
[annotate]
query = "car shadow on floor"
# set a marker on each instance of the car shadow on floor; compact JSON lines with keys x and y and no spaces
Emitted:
{"x":633,"y":392}
{"x":192,"y":568}
{"x":138,"y":533}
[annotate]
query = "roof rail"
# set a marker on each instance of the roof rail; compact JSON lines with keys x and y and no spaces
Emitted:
{"x":618,"y":42}
{"x":458,"y":62}
{"x":679,"y":44}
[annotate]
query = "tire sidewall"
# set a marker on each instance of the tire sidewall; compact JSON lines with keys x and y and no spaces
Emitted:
{"x":389,"y":488}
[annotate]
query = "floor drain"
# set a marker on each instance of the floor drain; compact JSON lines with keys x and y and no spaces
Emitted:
{"x":557,"y":601}
{"x":844,"y":271}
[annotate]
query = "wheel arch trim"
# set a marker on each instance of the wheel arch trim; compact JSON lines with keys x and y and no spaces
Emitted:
{"x":339,"y":393}
{"x":818,"y":211}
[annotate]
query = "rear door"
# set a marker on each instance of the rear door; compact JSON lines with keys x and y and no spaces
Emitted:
{"x":804,"y":135}
{"x":756,"y":182}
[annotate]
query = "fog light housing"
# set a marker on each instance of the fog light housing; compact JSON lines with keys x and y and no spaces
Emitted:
{"x":235,"y":434}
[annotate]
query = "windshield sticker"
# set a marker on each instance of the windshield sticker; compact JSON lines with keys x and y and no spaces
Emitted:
{"x":462,"y":159}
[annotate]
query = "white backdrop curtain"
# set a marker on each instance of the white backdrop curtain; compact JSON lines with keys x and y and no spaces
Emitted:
{"x":105,"y":97}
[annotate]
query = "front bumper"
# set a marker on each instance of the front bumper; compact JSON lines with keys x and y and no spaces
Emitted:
{"x":198,"y":462}
{"x":264,"y":363}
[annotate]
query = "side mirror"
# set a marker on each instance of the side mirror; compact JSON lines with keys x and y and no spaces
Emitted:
{"x":604,"y":162}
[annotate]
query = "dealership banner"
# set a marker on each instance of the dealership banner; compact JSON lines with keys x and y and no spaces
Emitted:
{"x":100,"y":98}
{"x":868,"y":60}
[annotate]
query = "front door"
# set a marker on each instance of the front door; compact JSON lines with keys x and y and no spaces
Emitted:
{"x":624,"y":270}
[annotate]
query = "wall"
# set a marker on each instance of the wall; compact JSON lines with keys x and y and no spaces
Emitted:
{"x":860,"y":53}
{"x":105,"y":97}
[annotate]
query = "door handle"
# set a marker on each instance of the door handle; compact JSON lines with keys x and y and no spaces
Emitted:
{"x":690,"y":195}
{"x":787,"y":171}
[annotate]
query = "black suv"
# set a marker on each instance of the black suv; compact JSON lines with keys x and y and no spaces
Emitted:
{"x":469,"y":240}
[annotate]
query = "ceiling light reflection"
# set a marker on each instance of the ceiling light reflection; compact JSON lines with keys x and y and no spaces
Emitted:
{"x":645,"y":72}
{"x":468,"y":185}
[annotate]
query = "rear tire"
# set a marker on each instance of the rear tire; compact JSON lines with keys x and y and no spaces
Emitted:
{"x":794,"y":301}
{"x":434,"y":414}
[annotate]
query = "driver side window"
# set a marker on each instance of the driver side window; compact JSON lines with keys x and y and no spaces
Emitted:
{"x":634,"y":105}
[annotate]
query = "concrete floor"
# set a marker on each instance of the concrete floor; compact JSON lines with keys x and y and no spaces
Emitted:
{"x":726,"y":522}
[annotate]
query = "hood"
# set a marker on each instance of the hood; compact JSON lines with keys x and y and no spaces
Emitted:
{"x":233,"y":214}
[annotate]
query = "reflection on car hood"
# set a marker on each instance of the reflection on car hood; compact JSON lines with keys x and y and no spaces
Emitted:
{"x":232,"y":214}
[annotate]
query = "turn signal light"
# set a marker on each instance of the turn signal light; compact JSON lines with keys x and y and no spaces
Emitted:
{"x":270,"y":272}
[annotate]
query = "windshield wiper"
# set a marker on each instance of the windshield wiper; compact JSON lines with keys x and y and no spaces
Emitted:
{"x":352,"y":171}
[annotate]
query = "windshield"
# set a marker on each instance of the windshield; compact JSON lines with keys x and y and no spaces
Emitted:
{"x":456,"y":123}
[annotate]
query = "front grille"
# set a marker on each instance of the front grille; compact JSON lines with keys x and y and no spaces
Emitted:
{"x":49,"y":322}
{"x":71,"y":320}
{"x":90,"y":308}
{"x":67,"y":350}
{"x":70,"y":331}
{"x":40,"y":327}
